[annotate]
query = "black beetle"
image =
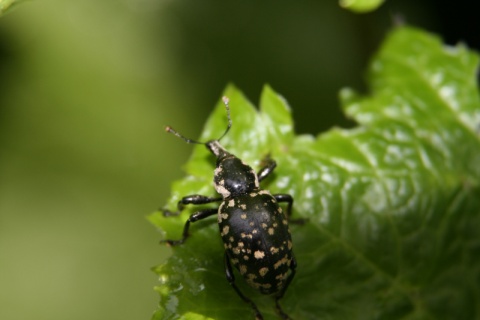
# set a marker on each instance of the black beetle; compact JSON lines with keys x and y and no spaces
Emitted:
{"x":253,"y":227}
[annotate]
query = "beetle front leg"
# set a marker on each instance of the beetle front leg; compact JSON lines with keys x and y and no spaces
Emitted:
{"x":231,"y":279}
{"x":199,"y":215}
{"x":191,"y":199}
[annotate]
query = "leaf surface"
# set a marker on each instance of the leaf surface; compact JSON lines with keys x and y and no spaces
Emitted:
{"x":6,"y":5}
{"x":361,"y":6}
{"x":393,"y":204}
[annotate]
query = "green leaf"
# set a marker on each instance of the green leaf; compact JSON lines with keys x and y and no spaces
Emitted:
{"x":393,"y":204}
{"x":361,"y":6}
{"x":5,"y":5}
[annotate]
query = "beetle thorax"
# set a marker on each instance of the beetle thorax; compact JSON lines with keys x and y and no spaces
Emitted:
{"x":233,"y":177}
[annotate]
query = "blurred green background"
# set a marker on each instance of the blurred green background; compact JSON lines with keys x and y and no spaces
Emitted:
{"x":86,"y":88}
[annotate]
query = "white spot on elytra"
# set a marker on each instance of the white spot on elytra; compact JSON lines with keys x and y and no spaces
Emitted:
{"x":263,"y":271}
{"x":259,"y":254}
{"x":225,"y":230}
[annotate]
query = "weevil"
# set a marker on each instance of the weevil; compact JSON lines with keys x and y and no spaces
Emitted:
{"x":253,"y":226}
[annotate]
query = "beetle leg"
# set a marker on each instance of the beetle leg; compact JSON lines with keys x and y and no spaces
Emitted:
{"x":288,"y":198}
{"x":293,"y":266}
{"x":191,"y":199}
{"x":231,"y":279}
{"x":285,"y":198}
{"x":199,"y":215}
{"x":267,"y":169}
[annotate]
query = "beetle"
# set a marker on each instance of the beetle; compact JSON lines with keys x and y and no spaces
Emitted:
{"x":253,"y":226}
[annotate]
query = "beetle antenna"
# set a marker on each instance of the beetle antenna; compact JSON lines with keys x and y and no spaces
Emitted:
{"x":187,"y":140}
{"x":225,"y":101}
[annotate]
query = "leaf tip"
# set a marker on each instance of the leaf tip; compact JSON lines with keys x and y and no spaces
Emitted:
{"x":361,"y":6}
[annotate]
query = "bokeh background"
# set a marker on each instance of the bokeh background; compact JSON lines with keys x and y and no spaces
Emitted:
{"x":86,"y":88}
